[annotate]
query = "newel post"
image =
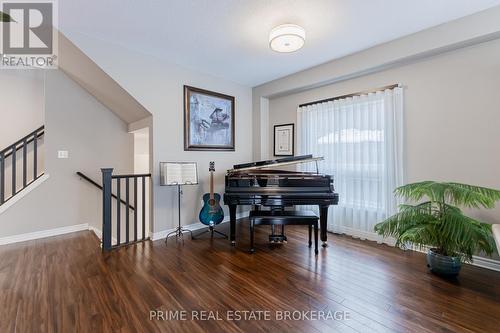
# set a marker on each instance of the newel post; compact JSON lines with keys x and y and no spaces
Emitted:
{"x":106,"y":208}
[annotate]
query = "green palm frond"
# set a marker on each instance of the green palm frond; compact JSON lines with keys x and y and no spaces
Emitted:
{"x":420,"y":235}
{"x":409,"y":217}
{"x":454,"y":193}
{"x":464,"y":236}
{"x":417,"y":191}
{"x":4,"y":17}
{"x":440,"y":222}
{"x":471,"y":196}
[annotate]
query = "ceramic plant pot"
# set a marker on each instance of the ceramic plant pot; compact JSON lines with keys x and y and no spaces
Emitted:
{"x":443,"y":265}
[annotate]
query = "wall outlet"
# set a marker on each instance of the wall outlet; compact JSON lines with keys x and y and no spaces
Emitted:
{"x":62,"y":154}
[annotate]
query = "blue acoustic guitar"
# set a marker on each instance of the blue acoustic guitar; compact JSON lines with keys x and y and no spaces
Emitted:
{"x":211,"y":214}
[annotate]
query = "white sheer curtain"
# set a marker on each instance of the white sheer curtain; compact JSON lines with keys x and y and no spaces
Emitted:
{"x":361,"y":139}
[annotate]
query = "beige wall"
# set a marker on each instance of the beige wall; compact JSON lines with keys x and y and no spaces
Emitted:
{"x":94,"y":137}
{"x":141,"y":165}
{"x":467,"y":31}
{"x":158,"y":85}
{"x":452,"y":115}
{"x":30,"y":157}
{"x":20,"y":115}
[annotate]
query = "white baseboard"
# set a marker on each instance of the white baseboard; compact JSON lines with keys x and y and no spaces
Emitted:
{"x":483,"y":262}
{"x":477,"y":261}
{"x":194,"y":226}
{"x":51,"y":233}
{"x":486,"y":263}
{"x":43,"y":234}
{"x":96,"y":231}
{"x":363,"y":235}
{"x":21,"y":194}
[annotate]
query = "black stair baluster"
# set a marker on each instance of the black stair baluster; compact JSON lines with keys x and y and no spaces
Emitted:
{"x":13,"y":156}
{"x":135,"y":210}
{"x":118,"y":211}
{"x":2,"y":178}
{"x":143,"y":208}
{"x":127,"y":204}
{"x":11,"y":152}
{"x":25,"y":162}
{"x":106,"y":208}
{"x":35,"y":156}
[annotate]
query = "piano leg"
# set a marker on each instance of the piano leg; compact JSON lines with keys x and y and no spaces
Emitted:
{"x":323,"y":221}
{"x":232,"y":224}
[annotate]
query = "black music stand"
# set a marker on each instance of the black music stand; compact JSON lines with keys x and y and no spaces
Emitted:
{"x":178,"y":174}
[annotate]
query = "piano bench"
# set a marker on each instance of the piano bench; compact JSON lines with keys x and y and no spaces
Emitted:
{"x":285,"y":217}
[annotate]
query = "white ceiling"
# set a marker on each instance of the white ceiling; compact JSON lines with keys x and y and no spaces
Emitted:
{"x":229,"y":38}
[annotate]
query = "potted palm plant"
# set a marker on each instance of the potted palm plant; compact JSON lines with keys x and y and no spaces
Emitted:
{"x":436,"y":221}
{"x":4,"y":17}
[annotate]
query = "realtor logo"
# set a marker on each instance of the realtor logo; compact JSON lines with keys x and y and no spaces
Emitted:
{"x":29,"y":37}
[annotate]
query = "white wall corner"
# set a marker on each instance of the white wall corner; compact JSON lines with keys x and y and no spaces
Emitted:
{"x":96,"y":231}
{"x":24,"y":192}
{"x":140,"y":124}
{"x":264,"y":125}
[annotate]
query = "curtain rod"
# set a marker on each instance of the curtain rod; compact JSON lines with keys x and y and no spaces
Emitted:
{"x":392,"y":86}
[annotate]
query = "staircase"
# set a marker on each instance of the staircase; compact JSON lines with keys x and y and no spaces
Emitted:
{"x":20,"y":165}
{"x":125,"y":214}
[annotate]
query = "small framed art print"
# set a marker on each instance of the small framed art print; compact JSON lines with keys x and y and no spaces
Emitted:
{"x":284,"y":140}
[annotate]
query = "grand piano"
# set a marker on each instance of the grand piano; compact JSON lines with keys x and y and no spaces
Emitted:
{"x":261,"y":184}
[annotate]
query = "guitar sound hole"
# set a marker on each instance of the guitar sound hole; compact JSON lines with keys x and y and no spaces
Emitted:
{"x":211,"y":202}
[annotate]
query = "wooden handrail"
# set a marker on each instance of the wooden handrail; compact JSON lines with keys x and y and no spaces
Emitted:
{"x":131,"y":223}
{"x":39,"y":132}
{"x":11,"y":151}
{"x":140,"y":175}
{"x":100,"y":187}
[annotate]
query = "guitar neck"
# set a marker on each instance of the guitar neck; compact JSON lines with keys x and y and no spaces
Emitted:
{"x":211,"y":184}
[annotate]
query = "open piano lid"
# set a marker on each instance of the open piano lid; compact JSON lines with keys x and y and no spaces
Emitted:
{"x":275,"y":163}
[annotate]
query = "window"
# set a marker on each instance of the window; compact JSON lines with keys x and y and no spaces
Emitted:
{"x":361,"y":140}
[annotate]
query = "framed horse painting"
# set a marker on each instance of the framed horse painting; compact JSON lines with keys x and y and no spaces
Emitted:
{"x":208,"y":120}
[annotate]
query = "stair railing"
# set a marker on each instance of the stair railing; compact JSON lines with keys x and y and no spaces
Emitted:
{"x":138,"y":183}
{"x":91,"y":181}
{"x":11,"y":152}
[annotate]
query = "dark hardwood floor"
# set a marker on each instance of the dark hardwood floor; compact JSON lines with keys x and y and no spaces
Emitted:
{"x":65,"y":284}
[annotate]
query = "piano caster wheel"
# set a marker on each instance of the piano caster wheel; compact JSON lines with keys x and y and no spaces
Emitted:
{"x":324,"y":244}
{"x":233,"y":243}
{"x":252,"y":251}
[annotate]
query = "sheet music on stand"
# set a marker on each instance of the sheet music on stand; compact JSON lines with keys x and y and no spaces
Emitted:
{"x":178,"y":173}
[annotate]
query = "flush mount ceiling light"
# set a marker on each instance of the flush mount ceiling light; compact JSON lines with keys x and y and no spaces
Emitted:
{"x":287,"y":38}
